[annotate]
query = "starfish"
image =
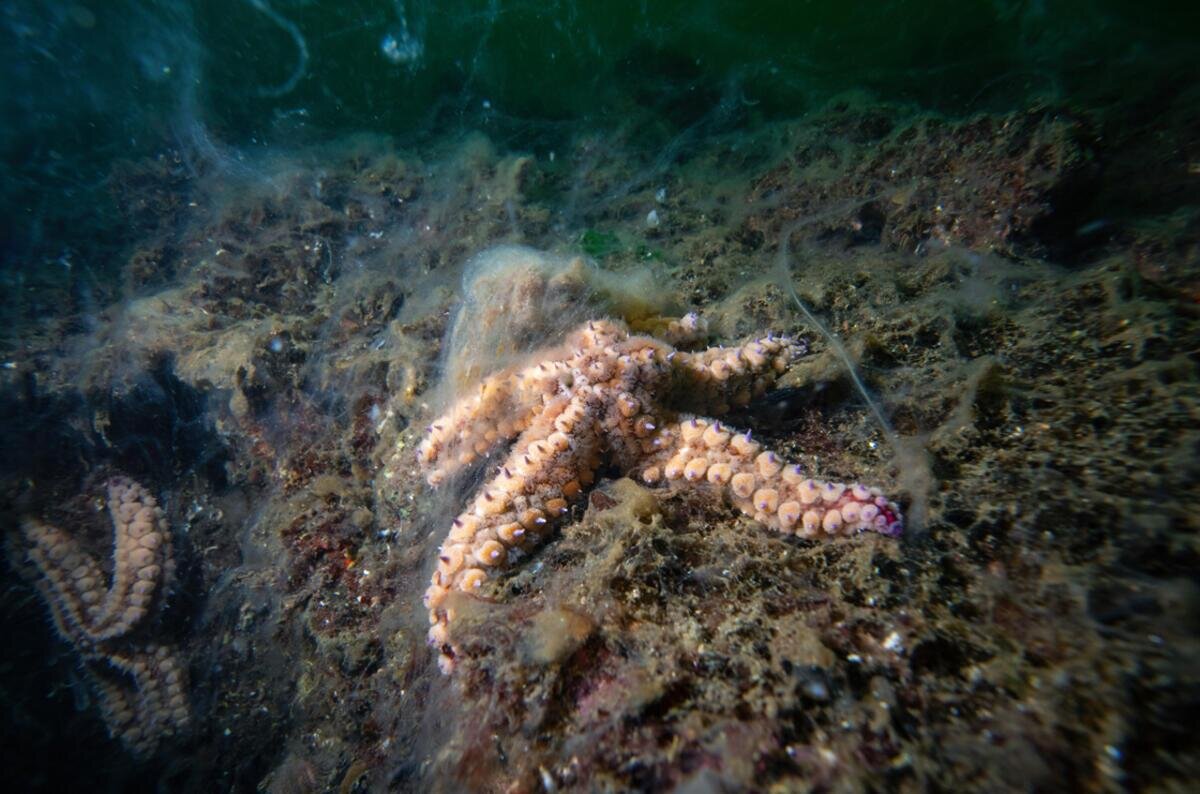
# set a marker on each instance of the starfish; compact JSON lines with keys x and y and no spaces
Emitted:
{"x":141,"y":684}
{"x":632,"y":402}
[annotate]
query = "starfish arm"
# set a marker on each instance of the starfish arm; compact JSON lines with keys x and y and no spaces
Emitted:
{"x":597,"y":335}
{"x":686,"y":331}
{"x":690,"y":329}
{"x":476,"y":425}
{"x":759,"y":484}
{"x":70,"y":581}
{"x":472,"y":427}
{"x":146,"y":700}
{"x":549,"y":467}
{"x":141,"y":554}
{"x":116,"y":699}
{"x":718,"y":378}
{"x":73,"y":583}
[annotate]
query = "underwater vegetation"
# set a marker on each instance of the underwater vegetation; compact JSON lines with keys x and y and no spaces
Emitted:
{"x":549,"y":346}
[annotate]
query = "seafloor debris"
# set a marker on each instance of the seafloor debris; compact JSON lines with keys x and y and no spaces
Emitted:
{"x":604,"y":396}
{"x":140,"y":683}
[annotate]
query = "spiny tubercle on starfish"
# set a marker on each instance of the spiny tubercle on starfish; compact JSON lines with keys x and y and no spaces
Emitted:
{"x":627,"y":400}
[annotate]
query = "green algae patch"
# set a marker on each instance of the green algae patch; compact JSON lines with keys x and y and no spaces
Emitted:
{"x":599,"y":245}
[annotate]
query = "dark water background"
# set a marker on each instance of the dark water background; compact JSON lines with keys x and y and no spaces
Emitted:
{"x":87,"y":84}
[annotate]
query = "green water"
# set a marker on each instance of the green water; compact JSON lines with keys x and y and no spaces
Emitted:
{"x":601,"y":61}
{"x":88,"y":84}
{"x":100,"y":79}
